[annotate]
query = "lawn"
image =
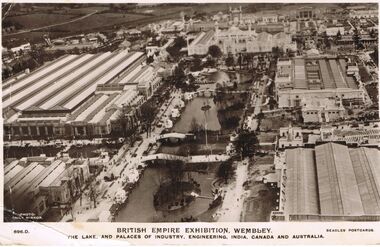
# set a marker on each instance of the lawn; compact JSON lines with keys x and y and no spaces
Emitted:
{"x":20,"y":152}
{"x":267,"y":137}
{"x":364,"y":75}
{"x":260,"y":203}
{"x":263,"y":160}
{"x":91,"y":151}
{"x":373,"y":92}
{"x":273,"y":124}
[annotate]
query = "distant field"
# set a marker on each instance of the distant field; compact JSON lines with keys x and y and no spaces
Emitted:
{"x":99,"y":20}
{"x":81,"y":11}
{"x":43,"y":15}
{"x":91,"y":23}
{"x":40,"y":20}
{"x":164,"y":10}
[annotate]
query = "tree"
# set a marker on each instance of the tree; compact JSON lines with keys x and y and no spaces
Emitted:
{"x":191,"y":78}
{"x":375,"y":55}
{"x":272,"y":103}
{"x":148,"y":33}
{"x":149,"y":60}
{"x":214,"y":51}
{"x":276,"y":51}
{"x":127,"y":123}
{"x":357,"y":39}
{"x":338,"y":35}
{"x":229,"y":61}
{"x":249,"y":58}
{"x":76,"y":50}
{"x":246,"y":143}
{"x":240,"y":60}
{"x":210,"y":62}
{"x":179,"y":76}
{"x":326,"y":40}
{"x":147,"y":115}
{"x":225,"y":170}
{"x":194,"y":126}
{"x":289,"y":53}
{"x":93,"y":194}
{"x":174,"y":50}
{"x":372,"y":33}
{"x":196,"y":64}
{"x":235,"y":85}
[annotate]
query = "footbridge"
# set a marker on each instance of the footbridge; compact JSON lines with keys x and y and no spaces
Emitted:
{"x":173,"y":136}
{"x":195,"y":159}
{"x":211,"y":92}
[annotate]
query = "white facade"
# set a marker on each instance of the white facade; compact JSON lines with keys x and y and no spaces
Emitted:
{"x":148,"y":81}
{"x":363,"y":13}
{"x":333,"y":31}
{"x":234,"y":41}
{"x":322,"y":110}
{"x":292,"y":98}
{"x":290,"y":137}
{"x":24,"y":47}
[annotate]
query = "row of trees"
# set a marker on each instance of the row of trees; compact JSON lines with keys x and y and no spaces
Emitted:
{"x":245,"y":145}
{"x":132,"y":121}
{"x":356,"y":37}
{"x":174,"y":50}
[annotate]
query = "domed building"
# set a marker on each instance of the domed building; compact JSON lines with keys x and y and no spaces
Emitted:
{"x":235,"y":40}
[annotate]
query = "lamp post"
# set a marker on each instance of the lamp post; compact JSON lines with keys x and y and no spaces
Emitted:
{"x":205,"y":108}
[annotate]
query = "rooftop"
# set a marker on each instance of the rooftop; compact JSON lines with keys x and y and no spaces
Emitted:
{"x":333,"y":180}
{"x":67,"y":81}
{"x":203,"y":38}
{"x":318,"y":73}
{"x":301,"y":185}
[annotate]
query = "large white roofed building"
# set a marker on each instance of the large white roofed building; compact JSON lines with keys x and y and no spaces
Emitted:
{"x":331,"y":183}
{"x":71,"y":95}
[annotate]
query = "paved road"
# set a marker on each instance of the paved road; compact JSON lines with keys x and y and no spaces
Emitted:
{"x":53,"y":25}
{"x":233,"y":201}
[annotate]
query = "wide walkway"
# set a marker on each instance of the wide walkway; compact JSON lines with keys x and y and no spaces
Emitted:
{"x":233,"y":201}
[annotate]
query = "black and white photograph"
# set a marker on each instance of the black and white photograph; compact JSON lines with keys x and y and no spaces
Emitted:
{"x":190,"y":112}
